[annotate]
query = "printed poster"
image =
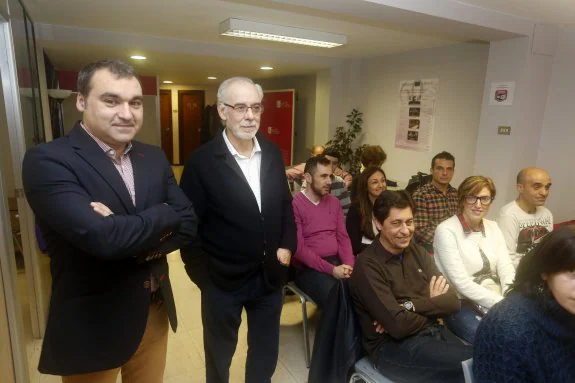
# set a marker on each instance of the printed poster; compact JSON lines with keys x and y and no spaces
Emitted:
{"x":416,"y":114}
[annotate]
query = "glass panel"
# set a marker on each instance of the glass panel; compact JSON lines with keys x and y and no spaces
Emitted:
{"x":28,"y":80}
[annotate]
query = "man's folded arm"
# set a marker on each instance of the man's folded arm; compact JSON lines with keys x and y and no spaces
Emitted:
{"x":177,"y":200}
{"x":382,"y":305}
{"x":59,"y":201}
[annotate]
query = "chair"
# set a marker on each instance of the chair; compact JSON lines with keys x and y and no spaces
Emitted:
{"x":303,"y":298}
{"x":365,"y":371}
{"x":467,"y":366}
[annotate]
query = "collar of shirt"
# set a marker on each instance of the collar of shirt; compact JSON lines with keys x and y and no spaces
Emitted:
{"x":309,"y":199}
{"x":105,"y":147}
{"x":449,"y":188}
{"x":382,"y":251}
{"x":233,"y":150}
{"x":467,"y":228}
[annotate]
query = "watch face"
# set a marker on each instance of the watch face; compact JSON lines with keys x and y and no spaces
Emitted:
{"x":408,"y":305}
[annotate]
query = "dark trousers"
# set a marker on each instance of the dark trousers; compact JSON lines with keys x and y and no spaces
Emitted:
{"x":464,"y":323}
{"x":221,"y":318}
{"x":316,"y":284}
{"x":432,"y":355}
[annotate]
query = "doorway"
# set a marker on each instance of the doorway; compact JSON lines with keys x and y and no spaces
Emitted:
{"x":190,"y":115}
{"x":166,"y":124}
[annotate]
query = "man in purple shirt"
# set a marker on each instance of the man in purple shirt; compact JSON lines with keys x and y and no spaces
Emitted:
{"x":324,"y":251}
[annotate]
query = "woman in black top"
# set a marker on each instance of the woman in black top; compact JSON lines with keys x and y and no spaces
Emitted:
{"x":359,"y":222}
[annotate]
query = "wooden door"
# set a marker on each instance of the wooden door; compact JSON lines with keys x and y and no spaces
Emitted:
{"x":190,"y":114}
{"x":166,"y":123}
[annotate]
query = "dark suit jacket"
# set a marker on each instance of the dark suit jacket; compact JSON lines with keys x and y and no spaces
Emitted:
{"x":234,"y":239}
{"x":99,"y":304}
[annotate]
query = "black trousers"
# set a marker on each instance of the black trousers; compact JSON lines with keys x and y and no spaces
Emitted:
{"x":432,"y":355}
{"x":221,"y":318}
{"x":315,"y":283}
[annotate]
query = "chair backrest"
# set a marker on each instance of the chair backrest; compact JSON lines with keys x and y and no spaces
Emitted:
{"x":467,"y":366}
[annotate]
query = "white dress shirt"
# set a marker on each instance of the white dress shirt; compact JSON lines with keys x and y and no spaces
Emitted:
{"x":250,"y":166}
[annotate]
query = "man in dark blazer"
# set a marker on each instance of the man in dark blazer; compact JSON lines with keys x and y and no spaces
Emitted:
{"x":110,"y":210}
{"x":246,"y":235}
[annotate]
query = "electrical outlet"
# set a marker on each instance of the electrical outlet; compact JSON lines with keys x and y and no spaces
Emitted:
{"x":504,"y":130}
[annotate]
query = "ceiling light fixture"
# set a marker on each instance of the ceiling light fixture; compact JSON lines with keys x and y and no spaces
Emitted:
{"x":137,"y":57}
{"x":280,"y":33}
{"x":267,"y":68}
{"x":167,"y":82}
{"x":212,"y":78}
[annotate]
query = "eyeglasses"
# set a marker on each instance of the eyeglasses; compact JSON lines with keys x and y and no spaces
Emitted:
{"x":243,"y":109}
{"x":472,"y":199}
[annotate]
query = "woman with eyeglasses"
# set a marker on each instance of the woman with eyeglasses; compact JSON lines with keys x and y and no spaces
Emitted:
{"x":471,"y":252}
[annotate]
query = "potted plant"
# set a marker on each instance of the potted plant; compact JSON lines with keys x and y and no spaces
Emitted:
{"x":344,"y":139}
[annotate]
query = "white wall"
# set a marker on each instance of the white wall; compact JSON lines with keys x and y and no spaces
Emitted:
{"x":501,"y":157}
{"x":461,"y":73}
{"x":557,"y":142}
{"x":305,"y":109}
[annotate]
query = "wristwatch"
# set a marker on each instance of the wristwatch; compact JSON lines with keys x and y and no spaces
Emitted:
{"x":408,"y":305}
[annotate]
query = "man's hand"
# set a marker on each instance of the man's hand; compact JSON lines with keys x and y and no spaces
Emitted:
{"x":101,"y":209}
{"x":342,"y":271}
{"x":438,"y":286}
{"x":284,"y":256}
{"x":378,"y":328}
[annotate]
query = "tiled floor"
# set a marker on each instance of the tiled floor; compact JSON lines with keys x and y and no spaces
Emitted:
{"x":185,"y":362}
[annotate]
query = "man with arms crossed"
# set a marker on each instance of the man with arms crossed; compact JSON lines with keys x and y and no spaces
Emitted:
{"x":435,"y":201}
{"x":395,"y":286}
{"x":246,"y":235}
{"x":526,"y":220}
{"x":110,"y":210}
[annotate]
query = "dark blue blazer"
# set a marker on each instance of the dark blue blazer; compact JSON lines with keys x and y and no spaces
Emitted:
{"x":100,"y":265}
{"x":235,"y":240}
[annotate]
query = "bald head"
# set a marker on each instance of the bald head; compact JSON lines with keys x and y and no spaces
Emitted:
{"x":533,"y":186}
{"x":317,"y":150}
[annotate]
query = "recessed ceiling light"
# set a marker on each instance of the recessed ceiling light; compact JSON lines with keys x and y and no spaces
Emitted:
{"x":212,"y":78}
{"x":266,"y":68}
{"x":168,"y":82}
{"x":137,"y":57}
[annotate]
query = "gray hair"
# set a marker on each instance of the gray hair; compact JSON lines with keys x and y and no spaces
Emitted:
{"x":223,"y":89}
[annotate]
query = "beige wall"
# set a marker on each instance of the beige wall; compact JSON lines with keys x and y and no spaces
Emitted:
{"x":461,"y":72}
{"x":210,"y":98}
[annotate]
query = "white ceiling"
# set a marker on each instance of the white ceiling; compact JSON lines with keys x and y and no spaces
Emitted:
{"x":181,"y":40}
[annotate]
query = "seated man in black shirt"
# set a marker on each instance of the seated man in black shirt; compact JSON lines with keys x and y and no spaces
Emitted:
{"x":396,"y":286}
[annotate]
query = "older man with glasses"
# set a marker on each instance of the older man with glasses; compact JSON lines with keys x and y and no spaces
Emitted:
{"x":247,"y":235}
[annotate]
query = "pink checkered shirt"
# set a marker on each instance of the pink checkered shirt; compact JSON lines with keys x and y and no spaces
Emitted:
{"x":124,"y":165}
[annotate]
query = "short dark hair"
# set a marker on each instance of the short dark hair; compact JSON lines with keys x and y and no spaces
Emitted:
{"x":389,"y":200}
{"x":373,"y":155}
{"x":311,"y":164}
{"x":117,"y":67}
{"x":554,"y":254}
{"x":444,"y":156}
{"x":331,"y":152}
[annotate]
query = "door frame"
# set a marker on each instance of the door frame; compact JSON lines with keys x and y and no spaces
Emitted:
{"x":171,"y":135}
{"x":181,"y":93}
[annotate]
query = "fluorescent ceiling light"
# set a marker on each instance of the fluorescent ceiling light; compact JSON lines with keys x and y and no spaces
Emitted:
{"x":280,"y":33}
{"x":266,"y":68}
{"x":137,"y":57}
{"x":167,"y":82}
{"x":212,"y":78}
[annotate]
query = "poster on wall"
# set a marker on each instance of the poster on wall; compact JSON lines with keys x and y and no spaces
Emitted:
{"x":277,"y":122}
{"x":502,"y":93}
{"x":416,"y":114}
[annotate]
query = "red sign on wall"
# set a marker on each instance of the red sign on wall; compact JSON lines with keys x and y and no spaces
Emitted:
{"x":277,"y":122}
